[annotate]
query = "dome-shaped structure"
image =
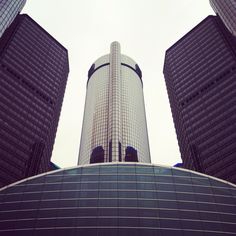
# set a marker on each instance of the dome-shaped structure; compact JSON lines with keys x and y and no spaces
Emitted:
{"x":118,"y":199}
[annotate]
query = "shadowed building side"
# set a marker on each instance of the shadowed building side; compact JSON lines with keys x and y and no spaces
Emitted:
{"x":200,"y":75}
{"x":33,"y":75}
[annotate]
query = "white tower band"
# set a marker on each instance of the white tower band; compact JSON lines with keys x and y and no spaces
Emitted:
{"x":114,"y":126}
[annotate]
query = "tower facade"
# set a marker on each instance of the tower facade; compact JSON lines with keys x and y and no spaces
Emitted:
{"x":200,"y":75}
{"x":114,"y":125}
{"x":8,"y":11}
{"x":227,"y":12}
{"x":33,"y":74}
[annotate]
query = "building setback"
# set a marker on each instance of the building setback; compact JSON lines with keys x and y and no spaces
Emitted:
{"x":227,"y":12}
{"x":33,"y":74}
{"x":114,"y":125}
{"x":200,"y":75}
{"x":8,"y":11}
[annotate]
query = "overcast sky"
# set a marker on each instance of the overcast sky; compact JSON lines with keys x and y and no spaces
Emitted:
{"x":145,"y":29}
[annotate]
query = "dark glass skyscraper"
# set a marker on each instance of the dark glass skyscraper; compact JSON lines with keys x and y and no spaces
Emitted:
{"x":33,"y":74}
{"x":200,"y":74}
{"x":227,"y":12}
{"x":8,"y":11}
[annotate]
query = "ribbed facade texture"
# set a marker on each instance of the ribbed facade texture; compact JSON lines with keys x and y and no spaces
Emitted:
{"x":8,"y":11}
{"x":200,"y":75}
{"x":119,"y":199}
{"x":33,"y":74}
{"x":226,"y":9}
{"x":114,"y":125}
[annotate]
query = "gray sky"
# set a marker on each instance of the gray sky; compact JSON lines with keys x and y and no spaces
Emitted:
{"x":145,"y":29}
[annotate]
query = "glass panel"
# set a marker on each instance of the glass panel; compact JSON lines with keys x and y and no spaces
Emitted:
{"x":53,"y":179}
{"x":108,"y":194}
{"x":69,"y":194}
{"x":145,"y":178}
{"x":127,"y":194}
{"x":128,"y":212}
{"x":107,"y":177}
{"x":88,"y":202}
{"x":126,"y":185}
{"x":127,"y":203}
{"x":74,"y":171}
{"x":86,"y":211}
{"x":146,"y":186}
{"x":108,"y":211}
{"x":88,"y":185}
{"x":87,"y":222}
{"x":148,"y":222}
{"x":108,"y":185}
{"x":147,"y":203}
{"x":162,"y":171}
{"x":90,"y":170}
{"x":168,"y":204}
{"x":126,"y":178}
{"x":166,"y":195}
{"x":130,"y":222}
{"x":52,"y":186}
{"x":111,"y":169}
{"x":108,"y":222}
{"x":165,"y":187}
{"x":164,"y":179}
{"x":148,"y":212}
{"x":177,"y":172}
{"x":199,"y":189}
{"x":86,"y":231}
{"x":183,"y":188}
{"x":126,"y":169}
{"x":108,"y":202}
{"x":88,"y":194}
{"x":66,"y":203}
{"x":72,"y":178}
{"x":144,"y":170}
{"x":107,"y":232}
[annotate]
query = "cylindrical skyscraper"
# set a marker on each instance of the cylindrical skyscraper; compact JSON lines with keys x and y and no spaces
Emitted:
{"x":114,"y":125}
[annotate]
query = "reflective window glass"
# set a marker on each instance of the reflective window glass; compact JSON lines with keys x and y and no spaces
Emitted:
{"x":145,"y":178}
{"x":74,"y":171}
{"x":144,"y":170}
{"x":108,"y":169}
{"x":181,"y":172}
{"x":127,"y":194}
{"x":108,"y":222}
{"x":88,"y":202}
{"x":108,"y":185}
{"x":162,"y":171}
{"x":165,"y":187}
{"x":88,"y":194}
{"x":90,"y":170}
{"x":108,"y":202}
{"x":127,"y":212}
{"x":126,"y":169}
{"x":107,"y":177}
{"x":130,"y":222}
{"x":126,"y":178}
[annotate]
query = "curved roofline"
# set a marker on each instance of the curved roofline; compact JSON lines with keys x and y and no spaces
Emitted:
{"x":114,"y":163}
